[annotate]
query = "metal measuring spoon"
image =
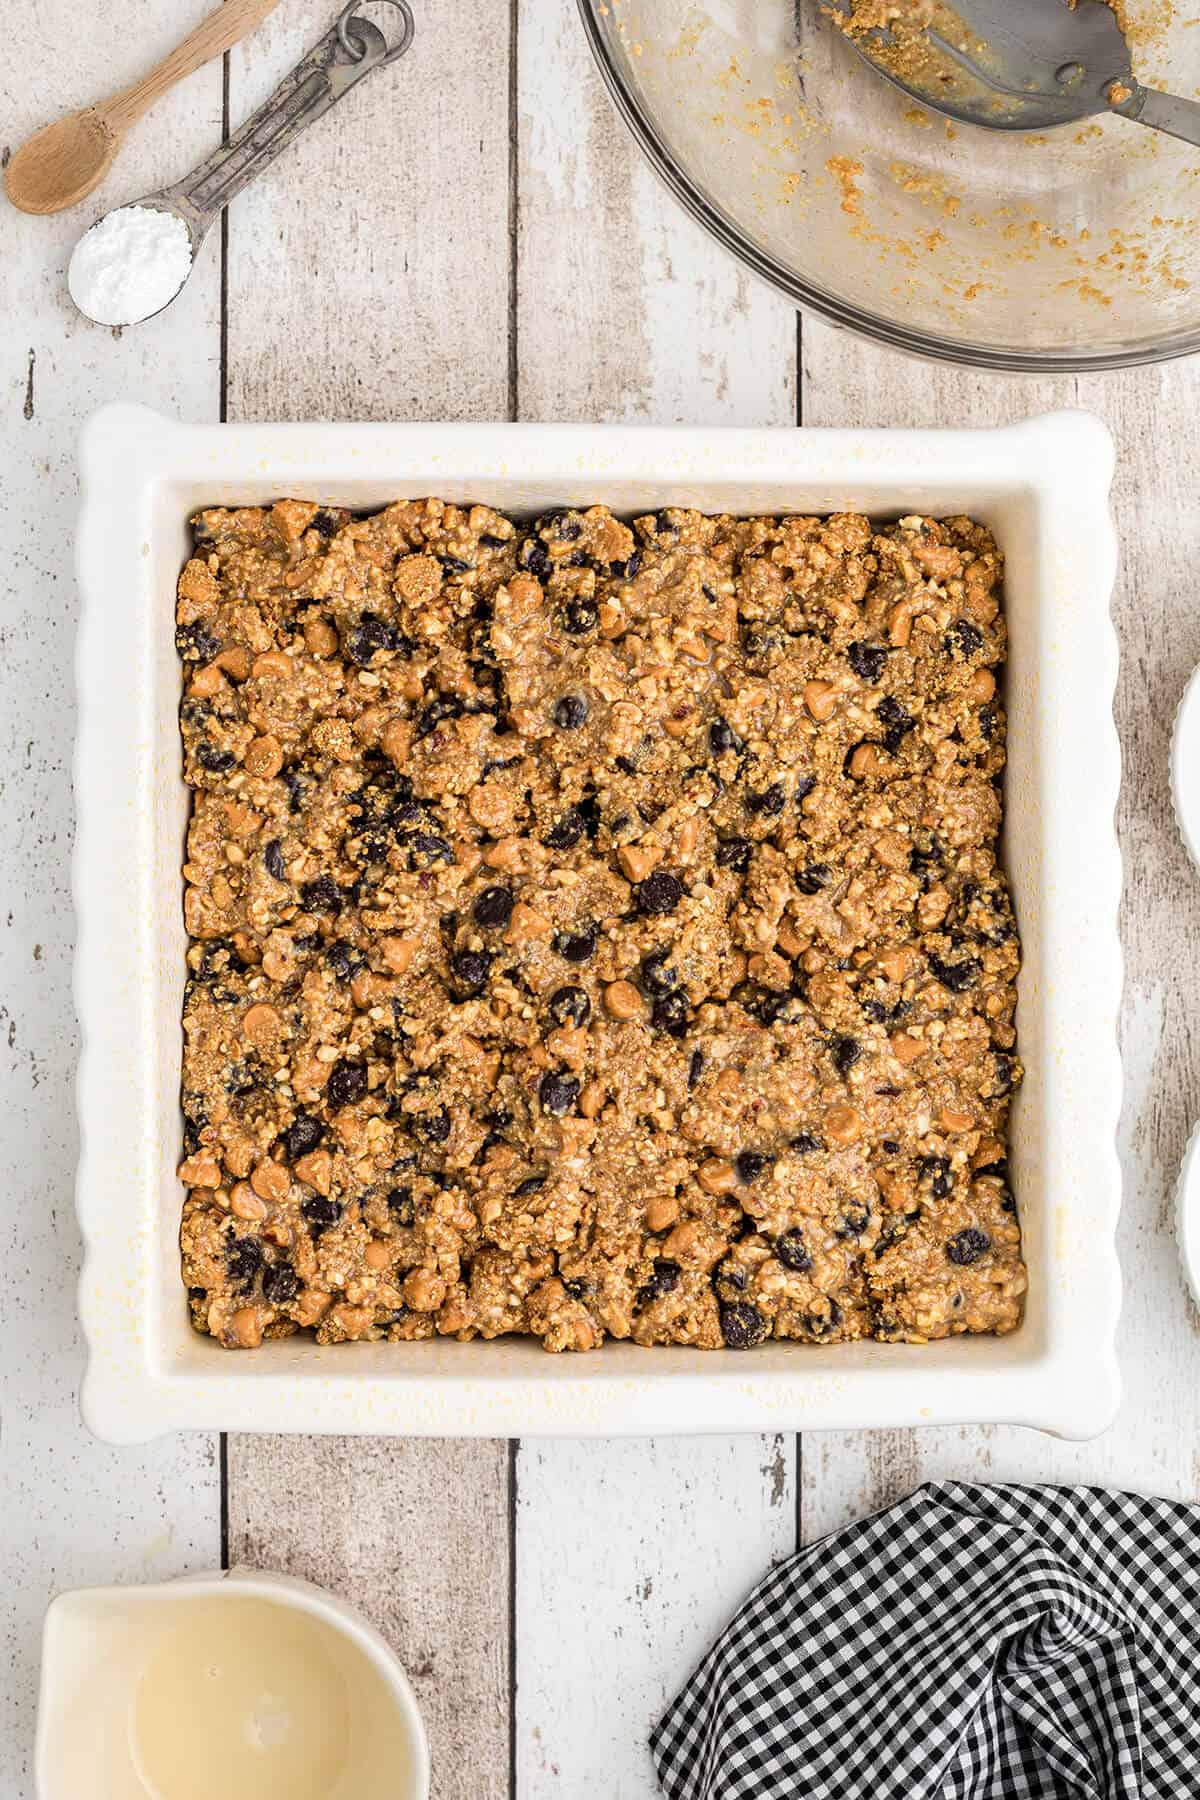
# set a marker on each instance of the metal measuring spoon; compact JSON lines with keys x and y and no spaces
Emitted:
{"x":348,"y":52}
{"x":1020,"y":65}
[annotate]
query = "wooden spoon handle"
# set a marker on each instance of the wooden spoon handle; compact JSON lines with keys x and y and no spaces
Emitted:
{"x":222,"y":29}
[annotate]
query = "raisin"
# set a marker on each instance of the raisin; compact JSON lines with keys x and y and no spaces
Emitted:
{"x":532,"y":1184}
{"x":400,"y":1205}
{"x":217,"y":762}
{"x":896,"y":720}
{"x":966,"y":1247}
{"x":194,"y":644}
{"x":853,"y":1219}
{"x":243,"y":1260}
{"x":280,"y":1284}
{"x":722,"y":737}
{"x":815,"y":877}
{"x":434,"y":1127}
{"x":936,"y":1170}
{"x":804,"y":787}
{"x":571,"y":712}
{"x":322,"y":895}
{"x":805,"y":1142}
{"x":558,"y":1093}
{"x":369,"y":636}
{"x":845,"y":1052}
{"x":695,"y":1068}
{"x":494,"y":907}
{"x":792,"y":1251}
{"x":565,"y":833}
{"x":750,"y":1164}
{"x":345,"y":960}
{"x":273,"y":858}
{"x":957,"y":976}
{"x":868,"y":661}
{"x":302,"y":1135}
{"x":742,"y":1326}
{"x":963,"y":638}
{"x":319,"y":1213}
{"x":769,"y":803}
{"x":734,"y":853}
{"x":665,"y":1278}
{"x":470,"y":967}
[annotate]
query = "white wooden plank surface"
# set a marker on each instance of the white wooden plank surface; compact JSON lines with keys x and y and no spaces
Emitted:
{"x":630,"y":1559}
{"x":630,"y":1555}
{"x":1153,"y":1445}
{"x":368,"y":278}
{"x":74,"y":1511}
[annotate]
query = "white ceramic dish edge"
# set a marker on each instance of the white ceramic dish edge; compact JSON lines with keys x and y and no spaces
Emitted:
{"x":1043,"y":484}
{"x":1185,"y":796}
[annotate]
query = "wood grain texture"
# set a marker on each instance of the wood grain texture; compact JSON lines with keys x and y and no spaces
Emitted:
{"x":631,"y":1558}
{"x":368,"y":272}
{"x":368,"y":278}
{"x":625,"y":309}
{"x":75,"y":1512}
{"x":630,"y":1554}
{"x":417,"y":1536}
{"x":1153,"y":1444}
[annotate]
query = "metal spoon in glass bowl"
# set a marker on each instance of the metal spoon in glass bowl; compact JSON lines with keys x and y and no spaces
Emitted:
{"x":136,"y":259}
{"x":1018,"y":65}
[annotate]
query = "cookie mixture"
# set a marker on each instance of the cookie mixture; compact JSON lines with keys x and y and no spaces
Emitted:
{"x":595,"y":928}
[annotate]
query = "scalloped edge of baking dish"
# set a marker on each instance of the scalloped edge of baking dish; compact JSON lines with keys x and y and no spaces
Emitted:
{"x":1042,"y":485}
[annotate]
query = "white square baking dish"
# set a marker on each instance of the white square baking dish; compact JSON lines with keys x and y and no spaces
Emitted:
{"x":1042,"y":486}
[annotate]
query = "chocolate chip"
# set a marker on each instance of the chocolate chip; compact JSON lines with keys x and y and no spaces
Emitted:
{"x":273,"y":858}
{"x":722,"y":737}
{"x":845,"y":1052}
{"x":695,"y":1068}
{"x":750,"y":1164}
{"x":577,"y":946}
{"x":655,"y":974}
{"x":670,"y":1014}
{"x":569,"y":1006}
{"x":580,"y":616}
{"x":659,"y":893}
{"x":493,"y":909}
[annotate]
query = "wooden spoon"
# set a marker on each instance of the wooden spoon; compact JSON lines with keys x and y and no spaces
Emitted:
{"x":63,"y":162}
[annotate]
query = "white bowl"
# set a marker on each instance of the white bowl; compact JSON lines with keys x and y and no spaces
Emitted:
{"x":1185,"y":794}
{"x":99,"y":1643}
{"x":1042,"y":486}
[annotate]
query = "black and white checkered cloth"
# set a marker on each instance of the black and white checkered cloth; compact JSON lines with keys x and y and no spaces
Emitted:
{"x":971,"y":1643}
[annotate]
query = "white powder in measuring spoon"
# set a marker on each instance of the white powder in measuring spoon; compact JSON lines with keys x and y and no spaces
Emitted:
{"x":129,"y":265}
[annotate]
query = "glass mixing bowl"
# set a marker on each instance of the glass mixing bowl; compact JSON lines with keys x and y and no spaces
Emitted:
{"x":1077,"y":248}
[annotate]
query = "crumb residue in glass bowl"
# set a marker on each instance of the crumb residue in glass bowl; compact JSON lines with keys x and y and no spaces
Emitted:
{"x":1065,"y":248}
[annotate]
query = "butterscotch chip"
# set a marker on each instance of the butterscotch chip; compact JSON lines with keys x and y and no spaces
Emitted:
{"x":623,"y":1000}
{"x":264,"y":757}
{"x":596,"y":928}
